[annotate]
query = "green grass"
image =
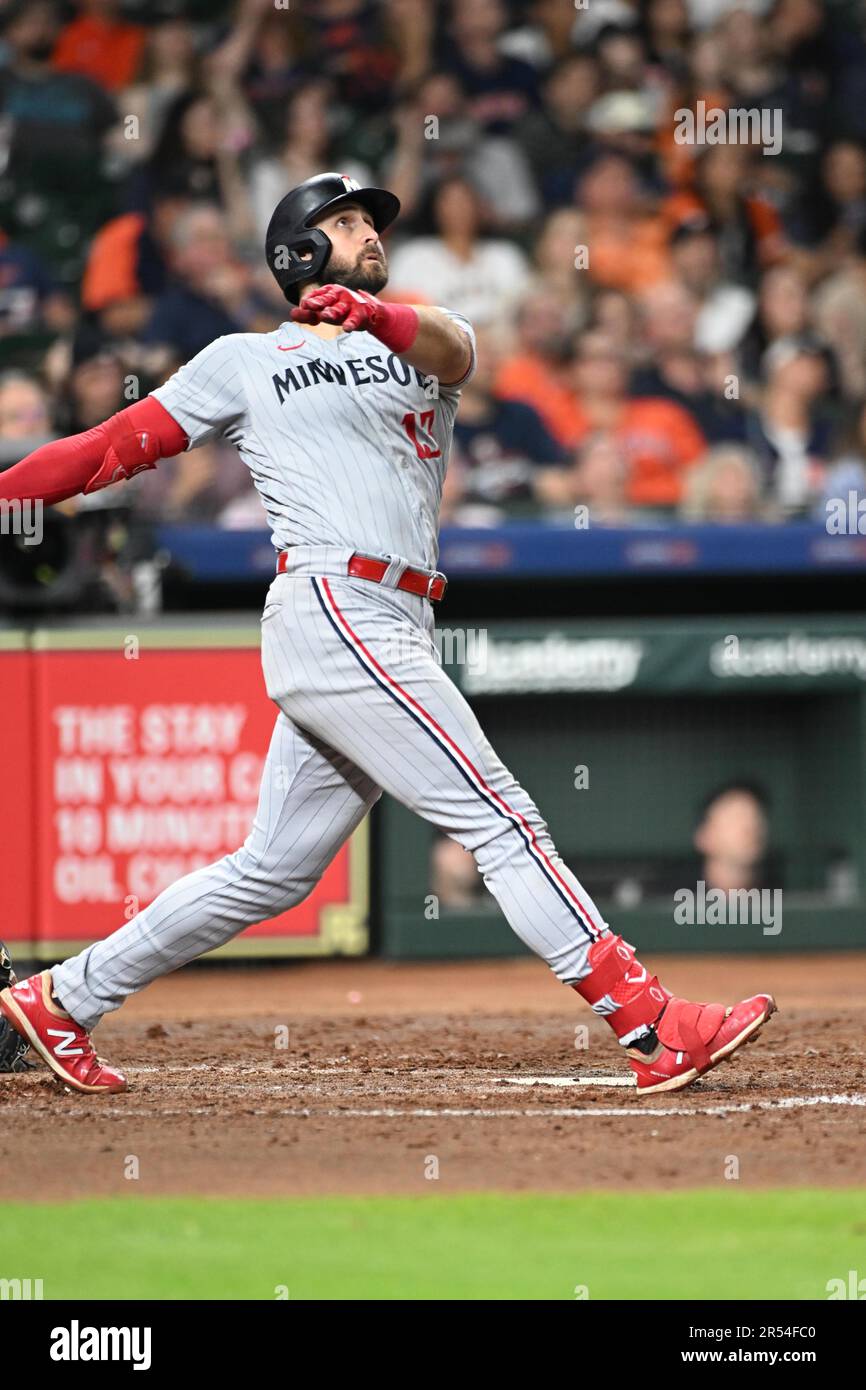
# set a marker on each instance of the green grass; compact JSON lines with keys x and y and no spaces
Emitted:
{"x":723,"y":1243}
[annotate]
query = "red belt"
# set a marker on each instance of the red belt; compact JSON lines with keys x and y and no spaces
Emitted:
{"x":425,"y":583}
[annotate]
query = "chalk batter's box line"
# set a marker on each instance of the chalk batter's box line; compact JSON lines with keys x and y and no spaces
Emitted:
{"x":460,"y":1080}
{"x":339,"y":1069}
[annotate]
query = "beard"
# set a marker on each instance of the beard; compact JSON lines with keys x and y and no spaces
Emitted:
{"x":363,"y":274}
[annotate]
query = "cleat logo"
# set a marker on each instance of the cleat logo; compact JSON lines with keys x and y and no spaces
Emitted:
{"x":64,"y":1048}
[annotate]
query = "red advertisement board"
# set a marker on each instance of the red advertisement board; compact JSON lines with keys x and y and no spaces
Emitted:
{"x":143,"y":764}
{"x":17,"y":804}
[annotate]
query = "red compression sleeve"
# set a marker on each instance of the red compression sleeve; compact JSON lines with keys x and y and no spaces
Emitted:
{"x":395,"y":325}
{"x":124,"y":445}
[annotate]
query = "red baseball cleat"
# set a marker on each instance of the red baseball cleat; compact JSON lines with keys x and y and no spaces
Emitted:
{"x":56,"y":1036}
{"x":692,"y":1038}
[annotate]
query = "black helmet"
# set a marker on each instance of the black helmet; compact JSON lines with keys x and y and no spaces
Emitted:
{"x":290,"y":232}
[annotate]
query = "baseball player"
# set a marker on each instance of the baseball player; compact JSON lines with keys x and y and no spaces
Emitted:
{"x":344,"y":416}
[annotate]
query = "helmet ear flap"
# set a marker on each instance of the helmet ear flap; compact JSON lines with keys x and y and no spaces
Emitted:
{"x":286,"y":259}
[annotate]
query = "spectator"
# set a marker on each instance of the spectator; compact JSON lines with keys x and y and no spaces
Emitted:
{"x":94,"y":388}
{"x":197,"y":157}
{"x":635,"y":93}
{"x":504,"y":444}
{"x":667,"y":26}
{"x":210,"y":294}
{"x":538,"y":372}
{"x":454,"y":876}
{"x":801,"y":40}
{"x":846,"y":469}
{"x":209,"y":485}
{"x":704,"y":81}
{"x":555,"y":138}
{"x":184,"y":160}
{"x":732,"y":836}
{"x":597,"y":480}
{"x":749,"y":67}
{"x":617,"y":316}
{"x":29,"y":298}
{"x":559,"y":255}
{"x":353,"y":46}
{"x":482,"y":277}
{"x":747,"y":227}
{"x":168,"y":70}
{"x":264,"y":56}
{"x":502,"y":89}
{"x":839,"y":311}
{"x":545,"y":38}
{"x":547,"y":195}
{"x":627,"y":240}
{"x":604,"y":15}
{"x":426,"y":154}
{"x":659,"y":440}
{"x":847,"y":67}
{"x":55,"y":124}
{"x":725,"y":486}
{"x":676,"y":371}
{"x":25,"y":419}
{"x":624,"y":123}
{"x":832,"y":218}
{"x":783,"y":311}
{"x":120,"y":275}
{"x":725,"y":310}
{"x":795,"y":429}
{"x":306,"y":150}
{"x":669,"y":312}
{"x":25,"y":415}
{"x":411,"y":27}
{"x":100,"y":45}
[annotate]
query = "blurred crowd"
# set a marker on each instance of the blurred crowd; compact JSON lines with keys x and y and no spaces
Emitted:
{"x":665,"y":329}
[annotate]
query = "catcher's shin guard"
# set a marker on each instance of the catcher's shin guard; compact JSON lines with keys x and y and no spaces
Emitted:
{"x":13,"y":1048}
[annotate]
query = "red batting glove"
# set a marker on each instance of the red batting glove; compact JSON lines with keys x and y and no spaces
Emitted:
{"x":395,"y":325}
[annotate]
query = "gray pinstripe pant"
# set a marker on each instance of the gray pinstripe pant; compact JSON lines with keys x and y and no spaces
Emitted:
{"x":364,"y":707}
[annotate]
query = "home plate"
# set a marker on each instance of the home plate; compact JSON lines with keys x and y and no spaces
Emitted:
{"x":568,"y":1080}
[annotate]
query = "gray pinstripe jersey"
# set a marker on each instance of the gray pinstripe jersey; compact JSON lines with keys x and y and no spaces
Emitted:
{"x":346,"y":443}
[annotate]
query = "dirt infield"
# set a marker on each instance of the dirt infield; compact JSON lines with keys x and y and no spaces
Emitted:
{"x":388,"y":1066}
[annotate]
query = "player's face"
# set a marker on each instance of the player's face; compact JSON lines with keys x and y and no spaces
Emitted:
{"x":357,"y":259}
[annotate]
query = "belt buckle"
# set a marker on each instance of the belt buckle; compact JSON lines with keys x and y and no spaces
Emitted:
{"x":437,"y":574}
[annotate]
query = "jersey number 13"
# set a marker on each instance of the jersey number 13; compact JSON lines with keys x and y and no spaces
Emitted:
{"x":421,"y":434}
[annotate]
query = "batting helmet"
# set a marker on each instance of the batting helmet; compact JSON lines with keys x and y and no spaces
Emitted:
{"x":291,"y":233}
